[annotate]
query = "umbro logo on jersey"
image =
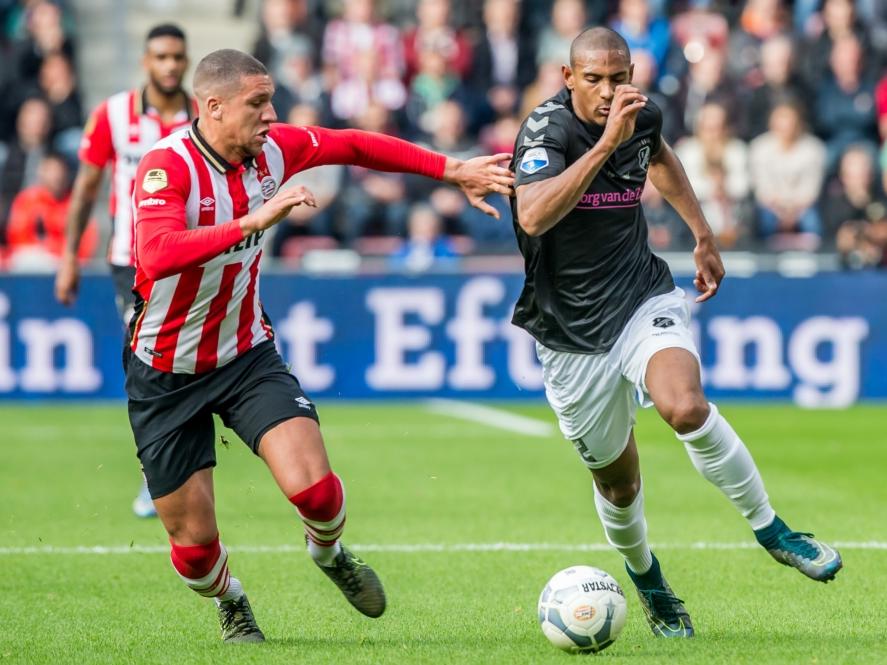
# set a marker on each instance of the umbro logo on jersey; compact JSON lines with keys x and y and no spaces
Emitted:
{"x":663,"y":322}
{"x":303,"y":402}
{"x":147,"y":203}
{"x":207,"y":204}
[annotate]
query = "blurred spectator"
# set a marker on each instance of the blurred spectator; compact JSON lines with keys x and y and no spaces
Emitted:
{"x":59,"y":86}
{"x":708,"y":82}
{"x":700,"y":29}
{"x":447,"y":126}
{"x":788,"y":167}
{"x":845,"y":103}
{"x":347,"y":41}
{"x":642,"y":30}
{"x":838,"y":20}
{"x":36,"y":231}
{"x":760,"y":20}
{"x":297,"y":81}
{"x":370,"y":84}
{"x":18,"y":168}
{"x":779,"y":82}
{"x":434,"y":83}
{"x":284,"y":23}
{"x":853,"y":199}
{"x":503,"y":58}
{"x":717,"y":167}
{"x":548,"y":82}
{"x":434,"y":28}
{"x":667,"y":231}
{"x":567,"y":21}
{"x":373,"y":203}
{"x":44,"y":36}
{"x":644,"y":78}
{"x":325,"y":182}
{"x":425,"y":244}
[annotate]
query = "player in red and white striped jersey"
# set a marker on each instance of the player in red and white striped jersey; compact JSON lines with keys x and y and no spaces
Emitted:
{"x":201,"y":344}
{"x":119,"y":132}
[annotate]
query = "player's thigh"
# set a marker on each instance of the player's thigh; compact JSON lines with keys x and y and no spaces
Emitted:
{"x":659,"y":329}
{"x":673,"y":381}
{"x":295,"y":454}
{"x":264,"y":395}
{"x":594,"y":404}
{"x":188,"y":513}
{"x":172,"y":426}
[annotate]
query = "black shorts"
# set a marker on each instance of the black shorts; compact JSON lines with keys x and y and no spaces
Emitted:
{"x":172,"y":414}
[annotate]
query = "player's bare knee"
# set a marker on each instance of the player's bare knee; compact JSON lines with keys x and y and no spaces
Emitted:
{"x":686,"y":413}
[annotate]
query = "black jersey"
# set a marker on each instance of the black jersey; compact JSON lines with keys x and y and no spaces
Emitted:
{"x":587,"y":275}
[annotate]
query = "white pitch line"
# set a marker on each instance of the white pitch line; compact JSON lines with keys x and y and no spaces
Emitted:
{"x":486,"y":415}
{"x":406,"y":548}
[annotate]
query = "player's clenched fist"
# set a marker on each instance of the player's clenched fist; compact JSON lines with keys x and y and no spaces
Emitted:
{"x":276,"y":208}
{"x":627,"y":103}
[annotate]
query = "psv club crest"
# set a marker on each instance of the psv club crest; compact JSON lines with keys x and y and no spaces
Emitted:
{"x":268,"y":186}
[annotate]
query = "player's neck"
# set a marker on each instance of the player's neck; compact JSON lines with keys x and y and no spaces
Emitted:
{"x":167,"y":105}
{"x":224,"y":148}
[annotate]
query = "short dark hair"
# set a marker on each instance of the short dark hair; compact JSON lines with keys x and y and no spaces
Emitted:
{"x":223,"y":69}
{"x":598,"y":38}
{"x":165,"y":30}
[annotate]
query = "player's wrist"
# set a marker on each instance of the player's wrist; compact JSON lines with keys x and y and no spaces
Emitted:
{"x":452,"y":167}
{"x":248,"y":225}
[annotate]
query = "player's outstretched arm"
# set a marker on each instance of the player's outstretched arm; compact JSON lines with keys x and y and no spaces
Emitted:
{"x":668,"y":176}
{"x":479,"y":177}
{"x":83,"y":196}
{"x":306,"y":147}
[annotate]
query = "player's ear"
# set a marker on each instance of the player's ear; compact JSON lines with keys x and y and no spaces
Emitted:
{"x":214,"y":107}
{"x":568,"y":76}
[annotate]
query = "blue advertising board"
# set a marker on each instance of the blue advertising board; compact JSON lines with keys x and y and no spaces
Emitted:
{"x":818,"y":341}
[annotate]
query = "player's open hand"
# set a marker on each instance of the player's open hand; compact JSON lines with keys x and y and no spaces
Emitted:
{"x":276,"y":208}
{"x":709,"y":269}
{"x":67,"y":280}
{"x":623,"y":114}
{"x":479,"y":177}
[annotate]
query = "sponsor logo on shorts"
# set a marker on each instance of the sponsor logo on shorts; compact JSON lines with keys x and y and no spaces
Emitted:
{"x":147,"y":203}
{"x":663,"y":322}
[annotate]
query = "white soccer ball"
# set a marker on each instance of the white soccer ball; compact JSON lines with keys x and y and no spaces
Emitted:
{"x":582,"y":610}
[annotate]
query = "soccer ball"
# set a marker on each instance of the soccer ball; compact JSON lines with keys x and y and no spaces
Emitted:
{"x":582,"y":610}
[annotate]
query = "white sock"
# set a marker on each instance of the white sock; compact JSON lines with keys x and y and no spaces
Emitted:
{"x":720,"y":455}
{"x":626,"y":530}
{"x":324,"y":555}
{"x":235,"y":590}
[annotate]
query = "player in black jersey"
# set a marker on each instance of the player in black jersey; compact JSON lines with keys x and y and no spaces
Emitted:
{"x":612,"y":330}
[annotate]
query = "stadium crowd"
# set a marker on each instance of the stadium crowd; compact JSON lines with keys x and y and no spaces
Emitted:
{"x":777,"y":109}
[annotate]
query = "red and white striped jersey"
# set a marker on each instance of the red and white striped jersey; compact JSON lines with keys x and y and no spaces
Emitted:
{"x":120,"y":131}
{"x":197,"y":277}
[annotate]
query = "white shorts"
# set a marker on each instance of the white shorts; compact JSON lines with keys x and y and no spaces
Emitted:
{"x":595,"y":395}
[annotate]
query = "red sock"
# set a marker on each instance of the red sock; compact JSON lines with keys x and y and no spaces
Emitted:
{"x":204,"y":568}
{"x":322,"y":509}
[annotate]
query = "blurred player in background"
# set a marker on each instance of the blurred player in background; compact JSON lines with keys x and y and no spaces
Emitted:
{"x":119,"y":132}
{"x":201,"y":343}
{"x":612,"y":330}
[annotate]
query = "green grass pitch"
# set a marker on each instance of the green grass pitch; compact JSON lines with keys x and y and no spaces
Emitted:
{"x":68,"y":474}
